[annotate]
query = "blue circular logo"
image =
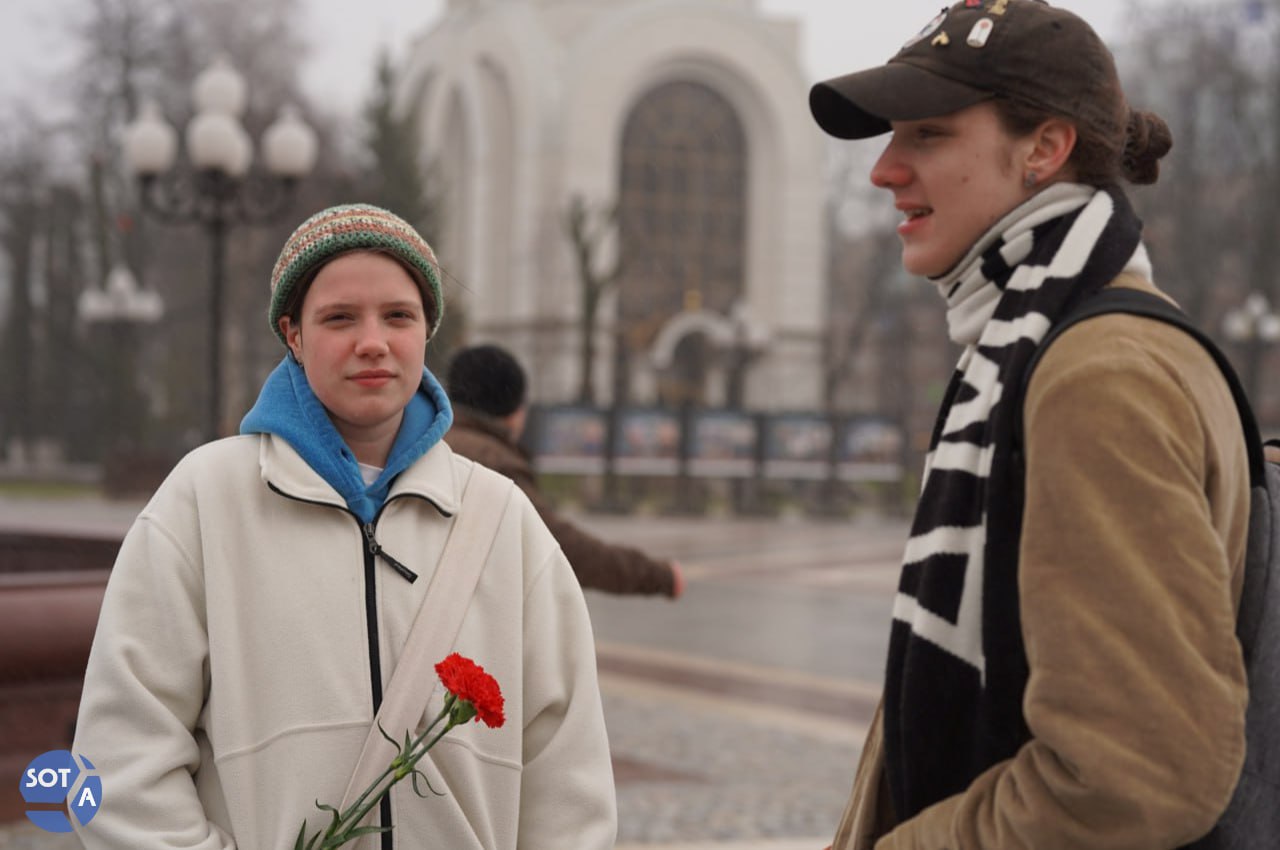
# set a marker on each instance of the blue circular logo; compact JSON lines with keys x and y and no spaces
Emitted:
{"x":57,"y":778}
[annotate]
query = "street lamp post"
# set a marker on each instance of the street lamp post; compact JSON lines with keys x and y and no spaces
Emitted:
{"x":120,"y":307}
{"x":120,"y":300}
{"x":1255,"y":326}
{"x":219,"y":191}
{"x":750,"y":339}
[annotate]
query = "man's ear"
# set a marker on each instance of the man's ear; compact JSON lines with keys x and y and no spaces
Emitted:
{"x":1052,"y":144}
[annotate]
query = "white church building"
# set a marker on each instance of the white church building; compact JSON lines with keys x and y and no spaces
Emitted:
{"x":688,"y":121}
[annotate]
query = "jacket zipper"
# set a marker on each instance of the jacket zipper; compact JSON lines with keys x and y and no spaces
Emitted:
{"x":375,"y":550}
{"x":372,"y":550}
{"x":375,"y":655}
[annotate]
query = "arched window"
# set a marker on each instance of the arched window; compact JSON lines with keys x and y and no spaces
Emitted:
{"x":682,"y":205}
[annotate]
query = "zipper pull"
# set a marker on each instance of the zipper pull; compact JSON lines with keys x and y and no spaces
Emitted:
{"x":376,"y":550}
{"x":408,"y":574}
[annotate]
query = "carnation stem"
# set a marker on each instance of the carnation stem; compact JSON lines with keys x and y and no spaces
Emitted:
{"x":357,"y":811}
{"x":465,"y":683}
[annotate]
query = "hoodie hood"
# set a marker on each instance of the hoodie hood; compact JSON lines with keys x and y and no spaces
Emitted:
{"x":288,"y":408}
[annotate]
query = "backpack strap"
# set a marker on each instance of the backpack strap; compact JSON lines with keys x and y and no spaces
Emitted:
{"x":1136,"y":302}
{"x":436,"y":625}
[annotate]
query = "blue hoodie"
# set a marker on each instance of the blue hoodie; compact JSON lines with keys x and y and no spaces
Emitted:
{"x":288,"y":408}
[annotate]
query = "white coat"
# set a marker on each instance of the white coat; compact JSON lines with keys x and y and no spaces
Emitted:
{"x":229,"y":686}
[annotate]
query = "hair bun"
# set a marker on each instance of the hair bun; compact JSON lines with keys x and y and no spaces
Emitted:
{"x":1147,"y":139}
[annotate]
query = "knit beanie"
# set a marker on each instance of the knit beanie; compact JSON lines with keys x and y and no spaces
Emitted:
{"x":349,"y":227}
{"x":486,"y":378}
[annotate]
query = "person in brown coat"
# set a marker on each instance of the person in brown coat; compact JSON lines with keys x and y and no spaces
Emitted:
{"x":487,"y":388}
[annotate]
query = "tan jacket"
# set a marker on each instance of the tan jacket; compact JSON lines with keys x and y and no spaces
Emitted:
{"x":598,"y":565}
{"x":1130,"y":571}
{"x":230,"y":682}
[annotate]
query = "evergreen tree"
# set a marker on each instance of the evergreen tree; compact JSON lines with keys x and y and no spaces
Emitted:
{"x":398,"y":180}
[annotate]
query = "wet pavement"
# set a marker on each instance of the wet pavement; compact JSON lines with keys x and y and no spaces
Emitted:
{"x":735,"y":713}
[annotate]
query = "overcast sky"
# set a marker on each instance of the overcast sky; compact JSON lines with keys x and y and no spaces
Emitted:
{"x":837,"y":36}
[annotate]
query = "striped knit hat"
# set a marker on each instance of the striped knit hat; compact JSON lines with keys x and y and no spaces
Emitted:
{"x":346,"y":228}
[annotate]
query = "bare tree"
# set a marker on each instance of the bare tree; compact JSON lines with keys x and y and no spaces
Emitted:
{"x":1211,"y":72}
{"x":125,"y":50}
{"x":589,"y":230}
{"x":1213,"y":219}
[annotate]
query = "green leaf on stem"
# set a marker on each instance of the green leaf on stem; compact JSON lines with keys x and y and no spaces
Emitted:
{"x":401,"y":755}
{"x":353,"y":835}
{"x":418,"y":774}
{"x":335,"y":816}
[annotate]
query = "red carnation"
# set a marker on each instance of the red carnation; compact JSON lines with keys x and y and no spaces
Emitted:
{"x":469,"y":682}
{"x":473,"y":694}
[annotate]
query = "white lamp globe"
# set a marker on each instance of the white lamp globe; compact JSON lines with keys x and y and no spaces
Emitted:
{"x":1269,"y":328}
{"x":242,"y":155}
{"x":150,"y":142}
{"x":121,"y":284}
{"x":213,"y":142}
{"x":289,"y":146}
{"x":1256,"y":304}
{"x":220,"y":88}
{"x":1237,"y":326}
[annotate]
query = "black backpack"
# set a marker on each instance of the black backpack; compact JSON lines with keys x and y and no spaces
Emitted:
{"x":1252,"y":819}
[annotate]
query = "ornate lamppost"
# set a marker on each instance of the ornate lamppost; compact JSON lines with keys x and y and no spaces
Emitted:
{"x":218,"y":190}
{"x":750,"y":341}
{"x":120,"y":307}
{"x":120,"y":300}
{"x":1255,"y":326}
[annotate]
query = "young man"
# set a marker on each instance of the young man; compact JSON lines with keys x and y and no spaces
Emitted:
{"x":1063,"y":672}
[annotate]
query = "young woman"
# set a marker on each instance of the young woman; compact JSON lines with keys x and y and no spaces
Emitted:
{"x":259,"y":604}
{"x":1063,"y":670}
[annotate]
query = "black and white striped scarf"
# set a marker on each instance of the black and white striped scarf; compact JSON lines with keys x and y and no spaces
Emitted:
{"x":957,"y":666}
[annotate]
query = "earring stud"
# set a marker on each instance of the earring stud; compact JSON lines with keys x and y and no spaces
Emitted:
{"x":1030,"y":179}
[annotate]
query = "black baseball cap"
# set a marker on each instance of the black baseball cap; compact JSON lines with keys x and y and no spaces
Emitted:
{"x":973,"y":51}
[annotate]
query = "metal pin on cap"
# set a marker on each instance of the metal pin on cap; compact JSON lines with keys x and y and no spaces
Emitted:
{"x":928,"y":30}
{"x":980,"y":33}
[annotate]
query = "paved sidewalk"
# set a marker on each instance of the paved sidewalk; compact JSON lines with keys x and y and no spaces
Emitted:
{"x":736,"y":714}
{"x":692,"y":769}
{"x":26,"y":837}
{"x":794,"y":844}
